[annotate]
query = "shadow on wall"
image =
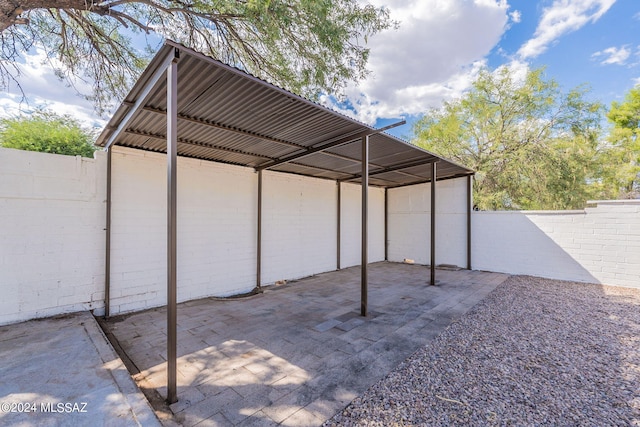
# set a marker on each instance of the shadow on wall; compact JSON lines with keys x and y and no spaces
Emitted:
{"x":544,"y":244}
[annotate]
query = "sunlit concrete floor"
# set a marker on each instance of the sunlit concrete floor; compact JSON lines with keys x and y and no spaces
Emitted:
{"x":62,"y":372}
{"x":299,"y":352}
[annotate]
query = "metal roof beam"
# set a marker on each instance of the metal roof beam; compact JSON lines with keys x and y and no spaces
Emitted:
{"x":424,"y":181}
{"x":227,"y":128}
{"x":375,"y":165}
{"x":352,"y":178}
{"x":329,"y":144}
{"x":198,"y":144}
{"x":304,"y":165}
{"x":349,"y":159}
{"x":308,"y":151}
{"x":142,"y":98}
{"x":395,"y":168}
{"x":401,"y":172}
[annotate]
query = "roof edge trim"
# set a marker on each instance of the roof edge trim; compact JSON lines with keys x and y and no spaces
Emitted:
{"x":142,"y":97}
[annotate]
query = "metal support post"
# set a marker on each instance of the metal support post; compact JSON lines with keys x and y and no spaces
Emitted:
{"x":339,"y":186}
{"x":365,"y":227}
{"x":469,"y":208}
{"x":259,"y":236}
{"x":107,"y":256}
{"x":433,"y":223}
{"x":172,"y":164}
{"x":386,"y":226}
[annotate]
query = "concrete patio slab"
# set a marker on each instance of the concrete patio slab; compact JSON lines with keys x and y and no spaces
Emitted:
{"x":63,"y":372}
{"x":298,"y":353}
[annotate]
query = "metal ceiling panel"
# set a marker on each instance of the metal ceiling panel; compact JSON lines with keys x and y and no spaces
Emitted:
{"x":227,"y":115}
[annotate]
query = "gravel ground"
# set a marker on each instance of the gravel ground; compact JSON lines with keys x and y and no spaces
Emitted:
{"x":534,"y":352}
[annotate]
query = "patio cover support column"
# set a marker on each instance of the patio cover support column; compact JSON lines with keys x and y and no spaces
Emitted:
{"x":365,"y":225}
{"x":386,"y":226}
{"x":107,"y":256}
{"x":433,"y":224}
{"x":469,"y":207}
{"x":259,"y":236}
{"x":339,"y":186}
{"x":172,"y":163}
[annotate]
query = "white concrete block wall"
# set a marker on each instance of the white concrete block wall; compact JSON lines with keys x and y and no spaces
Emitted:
{"x":52,"y":239}
{"x":521,"y":243}
{"x":299,"y":226}
{"x":216,"y":230}
{"x":217,"y":207}
{"x":138,"y":230}
{"x":409,"y":223}
{"x":351,"y":225}
{"x":217,"y":214}
{"x":52,"y":216}
{"x":616,"y":226}
{"x":599,"y":245}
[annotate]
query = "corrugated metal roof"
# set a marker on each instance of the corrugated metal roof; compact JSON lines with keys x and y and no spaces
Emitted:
{"x":226,"y":115}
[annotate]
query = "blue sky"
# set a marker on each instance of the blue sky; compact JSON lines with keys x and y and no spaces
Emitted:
{"x":592,"y":42}
{"x":438,"y":49}
{"x":603,"y":53}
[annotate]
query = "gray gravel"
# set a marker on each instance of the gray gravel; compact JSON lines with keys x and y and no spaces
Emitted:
{"x":534,"y":352}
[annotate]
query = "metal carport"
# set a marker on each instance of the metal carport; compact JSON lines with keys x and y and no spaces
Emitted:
{"x":188,"y":104}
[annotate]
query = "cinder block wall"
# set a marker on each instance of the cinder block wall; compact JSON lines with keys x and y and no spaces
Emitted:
{"x":52,"y":238}
{"x":216,"y":229}
{"x":52,"y":232}
{"x":52,"y":218}
{"x":409,"y":223}
{"x":217,"y":226}
{"x":351,"y":226}
{"x":298,"y":226}
{"x":600,"y":244}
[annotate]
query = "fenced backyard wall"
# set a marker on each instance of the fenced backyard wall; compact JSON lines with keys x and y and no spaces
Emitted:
{"x":217,"y":223}
{"x":600,"y":244}
{"x":52,"y":232}
{"x":52,"y":238}
{"x":410,"y":224}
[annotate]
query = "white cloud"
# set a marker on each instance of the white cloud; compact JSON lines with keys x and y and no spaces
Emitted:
{"x":434,"y":55}
{"x":515,"y":16}
{"x":563,"y":16}
{"x":42,"y":88}
{"x":613,"y":55}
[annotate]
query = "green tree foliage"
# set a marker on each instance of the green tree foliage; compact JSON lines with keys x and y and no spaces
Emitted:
{"x":623,"y":156}
{"x":48,"y":133}
{"x":305,"y":46}
{"x":533,"y":147}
